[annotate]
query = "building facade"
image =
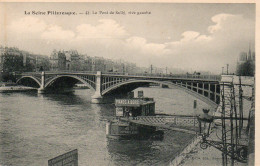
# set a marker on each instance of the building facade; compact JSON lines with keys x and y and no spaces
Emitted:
{"x":58,"y":60}
{"x":11,"y":60}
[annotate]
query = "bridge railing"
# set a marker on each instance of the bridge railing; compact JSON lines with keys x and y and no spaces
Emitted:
{"x":170,"y":76}
{"x":166,"y":76}
{"x":61,"y":72}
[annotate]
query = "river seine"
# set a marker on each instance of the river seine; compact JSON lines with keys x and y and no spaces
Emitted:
{"x":37,"y":127}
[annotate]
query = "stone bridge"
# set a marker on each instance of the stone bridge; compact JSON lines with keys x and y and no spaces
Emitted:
{"x":203,"y":87}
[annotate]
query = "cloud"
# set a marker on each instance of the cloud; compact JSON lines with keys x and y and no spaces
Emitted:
{"x":54,"y":32}
{"x":107,"y":28}
{"x":140,"y":44}
{"x":189,"y":36}
{"x":220,"y":19}
{"x":204,"y":38}
{"x":227,"y":36}
{"x":219,"y":44}
{"x":28,"y":24}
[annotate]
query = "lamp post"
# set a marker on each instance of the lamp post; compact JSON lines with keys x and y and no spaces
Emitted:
{"x":205,"y":120}
{"x":227,"y":68}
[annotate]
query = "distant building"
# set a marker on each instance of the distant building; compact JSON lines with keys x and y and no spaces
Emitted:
{"x":242,"y":57}
{"x":61,"y":61}
{"x":73,"y":61}
{"x":98,"y":64}
{"x":68,"y":60}
{"x":246,"y":63}
{"x":54,"y":60}
{"x":29,"y":61}
{"x":11,"y":59}
{"x":58,"y":60}
{"x":42,"y":63}
{"x":253,"y":56}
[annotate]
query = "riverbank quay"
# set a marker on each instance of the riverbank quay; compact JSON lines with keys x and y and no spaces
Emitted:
{"x":16,"y":89}
{"x":213,"y":156}
{"x":12,"y":87}
{"x":210,"y":156}
{"x":179,"y":157}
{"x":187,"y":146}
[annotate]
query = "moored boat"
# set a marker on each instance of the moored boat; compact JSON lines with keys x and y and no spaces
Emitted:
{"x":128,"y":109}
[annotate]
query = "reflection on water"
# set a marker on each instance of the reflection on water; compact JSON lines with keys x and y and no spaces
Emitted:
{"x":37,"y":127}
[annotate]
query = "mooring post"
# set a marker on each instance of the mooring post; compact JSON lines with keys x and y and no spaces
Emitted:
{"x":41,"y":89}
{"x":97,"y":97}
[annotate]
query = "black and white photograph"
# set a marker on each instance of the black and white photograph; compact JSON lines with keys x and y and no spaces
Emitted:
{"x":127,"y":83}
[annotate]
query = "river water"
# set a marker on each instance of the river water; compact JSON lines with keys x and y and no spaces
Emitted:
{"x":37,"y":127}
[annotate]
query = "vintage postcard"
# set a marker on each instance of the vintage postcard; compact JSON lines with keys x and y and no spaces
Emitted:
{"x":128,"y":83}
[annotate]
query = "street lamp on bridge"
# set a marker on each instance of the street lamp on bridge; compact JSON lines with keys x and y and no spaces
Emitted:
{"x":227,"y":68}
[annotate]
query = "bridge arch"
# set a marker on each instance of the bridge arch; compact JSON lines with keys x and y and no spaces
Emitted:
{"x":70,"y":76}
{"x":170,"y":84}
{"x":30,"y":77}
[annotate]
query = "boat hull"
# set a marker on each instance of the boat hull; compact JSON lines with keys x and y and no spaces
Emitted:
{"x":126,"y":130}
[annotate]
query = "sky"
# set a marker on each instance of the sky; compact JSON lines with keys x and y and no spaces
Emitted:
{"x":193,"y":37}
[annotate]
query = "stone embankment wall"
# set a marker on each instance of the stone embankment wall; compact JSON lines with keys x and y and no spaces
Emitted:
{"x":182,"y":154}
{"x":247,"y":84}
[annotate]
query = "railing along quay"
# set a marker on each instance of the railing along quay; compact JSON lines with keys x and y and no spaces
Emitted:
{"x":179,"y":120}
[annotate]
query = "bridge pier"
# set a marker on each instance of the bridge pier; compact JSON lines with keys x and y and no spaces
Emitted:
{"x":42,"y":87}
{"x":41,"y":90}
{"x":97,"y":97}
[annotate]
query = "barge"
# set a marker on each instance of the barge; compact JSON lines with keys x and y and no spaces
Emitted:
{"x":129,"y":109}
